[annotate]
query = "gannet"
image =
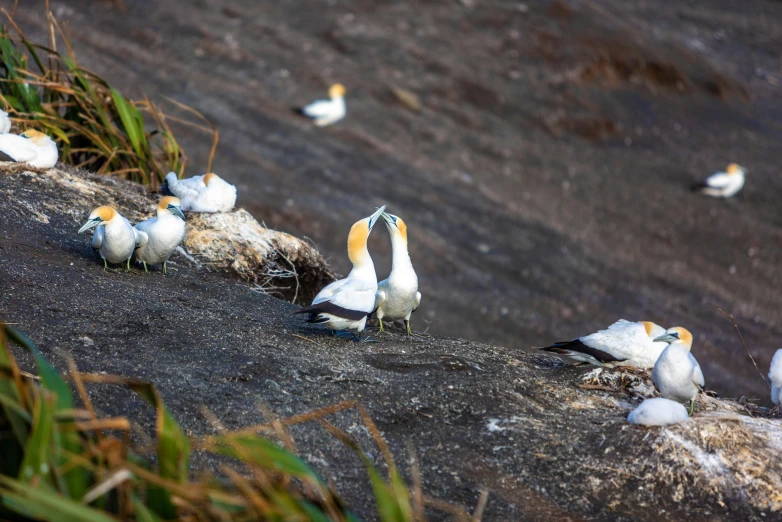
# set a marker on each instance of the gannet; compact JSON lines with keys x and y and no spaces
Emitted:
{"x":722,"y":184}
{"x":676,"y":374}
{"x":5,"y":123}
{"x":326,"y":112}
{"x":658,"y":412}
{"x":32,"y":147}
{"x":114,"y":238}
{"x":775,"y":374}
{"x":161,"y":235}
{"x":624,"y":343}
{"x":397,"y":296}
{"x":345,"y":304}
{"x":206,"y":193}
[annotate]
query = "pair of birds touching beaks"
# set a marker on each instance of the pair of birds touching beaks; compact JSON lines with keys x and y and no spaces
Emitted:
{"x":642,"y":344}
{"x":346,"y":304}
{"x":153,"y":241}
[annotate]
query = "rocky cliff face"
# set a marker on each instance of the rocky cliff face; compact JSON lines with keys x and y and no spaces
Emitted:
{"x":549,"y":441}
{"x":542,"y":166}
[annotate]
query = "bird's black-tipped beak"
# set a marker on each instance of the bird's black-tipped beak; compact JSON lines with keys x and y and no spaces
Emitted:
{"x":374,"y":217}
{"x":94,"y":222}
{"x":667,"y":338}
{"x":176,"y":211}
{"x":389,"y":219}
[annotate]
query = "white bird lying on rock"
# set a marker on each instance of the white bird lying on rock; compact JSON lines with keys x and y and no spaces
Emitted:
{"x":722,"y":184}
{"x":398,"y":296}
{"x":676,"y":374}
{"x":345,"y":304}
{"x":206,"y":193}
{"x":114,"y":238}
{"x":658,"y":412}
{"x":32,"y":147}
{"x":160,"y":236}
{"x":326,"y":112}
{"x":624,"y":343}
{"x":5,"y":123}
{"x":775,"y":374}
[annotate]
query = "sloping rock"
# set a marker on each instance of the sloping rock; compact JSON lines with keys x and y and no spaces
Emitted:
{"x":278,"y":263}
{"x":548,"y":440}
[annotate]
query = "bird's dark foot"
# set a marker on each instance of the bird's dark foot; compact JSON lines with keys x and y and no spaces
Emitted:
{"x":411,"y":333}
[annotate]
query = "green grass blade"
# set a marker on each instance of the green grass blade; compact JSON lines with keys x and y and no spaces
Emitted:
{"x":40,"y":504}
{"x":37,"y":450}
{"x":75,"y":481}
{"x":266,"y":454}
{"x":10,"y":406}
{"x":143,"y":513}
{"x":173,"y":451}
{"x":131,"y":120}
{"x":314,"y":513}
{"x":387,"y":504}
{"x":50,"y":378}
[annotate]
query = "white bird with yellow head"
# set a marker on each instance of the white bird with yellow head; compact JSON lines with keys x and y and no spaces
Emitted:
{"x":206,"y":193}
{"x":114,"y":238}
{"x":676,"y":374}
{"x":397,"y":296}
{"x":346,"y":303}
{"x":161,"y":235}
{"x":32,"y":147}
{"x":326,"y":112}
{"x":723,"y":184}
{"x":624,"y":343}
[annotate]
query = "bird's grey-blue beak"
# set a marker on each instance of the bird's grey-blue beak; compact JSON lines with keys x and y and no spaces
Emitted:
{"x":373,"y":218}
{"x":666,"y":338}
{"x":94,"y":222}
{"x":176,"y":211}
{"x":389,"y":219}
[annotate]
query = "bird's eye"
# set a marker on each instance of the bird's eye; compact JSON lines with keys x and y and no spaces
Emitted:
{"x":23,"y":135}
{"x":676,"y":334}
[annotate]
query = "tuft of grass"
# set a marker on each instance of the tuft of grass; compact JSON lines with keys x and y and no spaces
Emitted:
{"x":94,"y":124}
{"x":61,"y":462}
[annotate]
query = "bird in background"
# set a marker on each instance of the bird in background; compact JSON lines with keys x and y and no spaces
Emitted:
{"x":114,"y":238}
{"x":775,"y":375}
{"x":397,"y":296}
{"x":5,"y":123}
{"x":160,"y":236}
{"x":206,"y":193}
{"x":624,"y":343}
{"x":676,"y":374}
{"x":32,"y":147}
{"x":345,"y":304}
{"x":723,"y":184}
{"x":326,"y":112}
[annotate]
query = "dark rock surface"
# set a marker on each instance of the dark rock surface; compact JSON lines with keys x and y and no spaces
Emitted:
{"x":544,"y":178}
{"x":478,"y":416}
